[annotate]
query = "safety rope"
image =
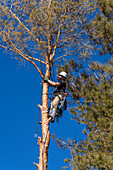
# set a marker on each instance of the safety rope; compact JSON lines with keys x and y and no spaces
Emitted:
{"x":38,"y":115}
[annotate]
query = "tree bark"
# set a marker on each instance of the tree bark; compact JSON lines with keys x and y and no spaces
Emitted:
{"x":44,"y":141}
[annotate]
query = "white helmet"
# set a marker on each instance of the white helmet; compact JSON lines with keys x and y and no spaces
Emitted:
{"x":64,"y":74}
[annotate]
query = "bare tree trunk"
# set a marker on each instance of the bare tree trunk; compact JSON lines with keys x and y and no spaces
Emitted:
{"x":45,"y":140}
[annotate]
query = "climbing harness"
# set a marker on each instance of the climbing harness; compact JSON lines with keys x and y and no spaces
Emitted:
{"x":61,"y":106}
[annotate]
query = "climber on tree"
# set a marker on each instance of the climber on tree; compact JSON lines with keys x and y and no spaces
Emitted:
{"x":58,"y":94}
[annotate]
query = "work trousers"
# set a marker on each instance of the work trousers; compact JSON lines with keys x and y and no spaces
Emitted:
{"x":55,"y":102}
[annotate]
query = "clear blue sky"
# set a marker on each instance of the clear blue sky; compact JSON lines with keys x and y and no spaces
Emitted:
{"x":19,"y":95}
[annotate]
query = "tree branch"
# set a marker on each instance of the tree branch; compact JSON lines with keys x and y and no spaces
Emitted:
{"x":92,"y":70}
{"x":30,"y":56}
{"x":58,"y":35}
{"x":37,"y":165}
{"x":16,"y":50}
{"x":62,"y":56}
{"x":32,"y":62}
{"x":7,"y":48}
{"x":50,"y":1}
{"x":30,"y":33}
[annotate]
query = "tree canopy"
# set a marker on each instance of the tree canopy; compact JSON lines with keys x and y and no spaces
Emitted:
{"x":38,"y":30}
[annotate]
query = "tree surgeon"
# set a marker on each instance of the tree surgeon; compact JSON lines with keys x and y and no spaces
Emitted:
{"x":59,"y":92}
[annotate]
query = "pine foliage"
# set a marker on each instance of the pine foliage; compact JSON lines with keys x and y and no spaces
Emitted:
{"x":94,"y":109}
{"x":37,"y":29}
{"x":100,"y":30}
{"x":92,"y":93}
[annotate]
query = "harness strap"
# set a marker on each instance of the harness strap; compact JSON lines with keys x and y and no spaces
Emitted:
{"x":63,"y":101}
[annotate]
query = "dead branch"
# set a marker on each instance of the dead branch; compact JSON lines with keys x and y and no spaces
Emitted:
{"x":37,"y":165}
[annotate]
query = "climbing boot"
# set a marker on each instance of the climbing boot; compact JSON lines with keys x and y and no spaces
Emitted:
{"x":52,"y":114}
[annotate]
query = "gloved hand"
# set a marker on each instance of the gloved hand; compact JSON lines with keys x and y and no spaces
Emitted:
{"x":46,"y":80}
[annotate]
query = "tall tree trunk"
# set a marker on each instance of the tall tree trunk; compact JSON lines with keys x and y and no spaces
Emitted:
{"x":45,"y":140}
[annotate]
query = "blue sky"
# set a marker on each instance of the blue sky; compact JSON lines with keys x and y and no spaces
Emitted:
{"x":20,"y":90}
